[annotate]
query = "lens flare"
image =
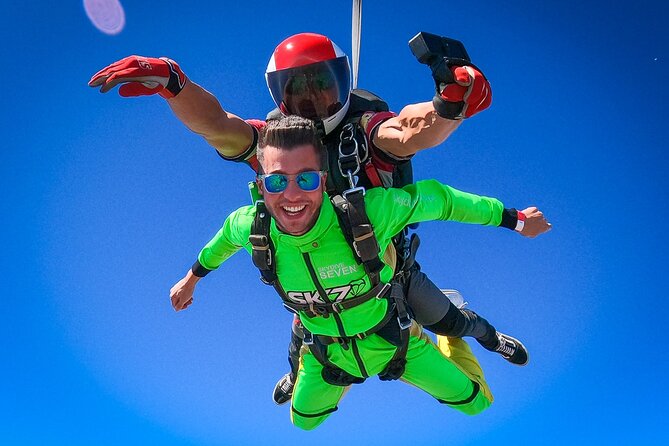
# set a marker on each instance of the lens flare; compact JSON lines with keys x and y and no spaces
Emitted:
{"x":106,"y":15}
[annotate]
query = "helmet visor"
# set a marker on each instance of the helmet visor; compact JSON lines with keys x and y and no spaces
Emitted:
{"x":314,"y":91}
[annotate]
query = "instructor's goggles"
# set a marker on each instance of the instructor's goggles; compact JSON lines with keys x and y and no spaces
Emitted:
{"x":314,"y":91}
{"x":276,"y":183}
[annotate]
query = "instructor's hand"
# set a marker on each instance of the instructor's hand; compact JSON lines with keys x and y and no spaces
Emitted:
{"x":468,"y":95}
{"x":141,"y":76}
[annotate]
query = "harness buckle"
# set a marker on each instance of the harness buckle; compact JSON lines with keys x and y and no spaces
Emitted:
{"x":321,"y":311}
{"x":261,"y":243}
{"x":382,"y":292}
{"x":353,"y":190}
{"x":337,"y":307}
{"x":308,"y":338}
{"x":404,"y":321}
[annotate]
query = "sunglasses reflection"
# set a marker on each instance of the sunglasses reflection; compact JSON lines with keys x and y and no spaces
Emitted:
{"x":277,"y":182}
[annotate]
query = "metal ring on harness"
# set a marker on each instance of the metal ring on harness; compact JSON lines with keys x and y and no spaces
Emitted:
{"x":349,"y":153}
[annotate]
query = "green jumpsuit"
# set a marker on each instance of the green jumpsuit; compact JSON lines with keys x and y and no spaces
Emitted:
{"x":324,"y":255}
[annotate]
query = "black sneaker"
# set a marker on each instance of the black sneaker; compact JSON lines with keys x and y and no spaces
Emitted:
{"x":511,"y":349}
{"x":283,"y":391}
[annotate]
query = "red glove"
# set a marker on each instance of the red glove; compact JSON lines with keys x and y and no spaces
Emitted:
{"x":468,"y":95}
{"x":141,"y":76}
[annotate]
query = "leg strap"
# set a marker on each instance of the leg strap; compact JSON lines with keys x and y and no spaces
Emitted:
{"x":395,"y":368}
{"x":331,"y":373}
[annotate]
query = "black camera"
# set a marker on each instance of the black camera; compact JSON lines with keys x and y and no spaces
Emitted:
{"x":439,"y":53}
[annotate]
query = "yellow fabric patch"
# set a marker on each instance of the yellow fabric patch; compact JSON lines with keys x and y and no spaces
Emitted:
{"x":459,"y":352}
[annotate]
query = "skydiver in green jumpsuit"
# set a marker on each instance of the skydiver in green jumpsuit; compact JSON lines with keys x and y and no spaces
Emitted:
{"x":309,"y":242}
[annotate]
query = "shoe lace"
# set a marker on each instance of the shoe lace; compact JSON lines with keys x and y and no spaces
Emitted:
{"x":506,"y":347}
{"x":286,"y":384}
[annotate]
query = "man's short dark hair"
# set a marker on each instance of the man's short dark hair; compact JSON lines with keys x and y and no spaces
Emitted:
{"x":290,"y":132}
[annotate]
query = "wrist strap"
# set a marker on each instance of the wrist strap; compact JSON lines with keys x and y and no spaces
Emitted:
{"x":520,"y":224}
{"x":447,"y":109}
{"x":199,"y":270}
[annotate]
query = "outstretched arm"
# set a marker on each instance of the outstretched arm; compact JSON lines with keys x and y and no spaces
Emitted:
{"x":429,"y":200}
{"x":201,"y":112}
{"x":198,"y":109}
{"x":428,"y":124}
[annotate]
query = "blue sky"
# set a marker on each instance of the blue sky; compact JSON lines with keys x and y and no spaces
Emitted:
{"x":106,"y":202}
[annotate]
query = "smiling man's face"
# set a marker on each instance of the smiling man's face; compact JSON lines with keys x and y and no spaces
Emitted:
{"x":294,"y":209}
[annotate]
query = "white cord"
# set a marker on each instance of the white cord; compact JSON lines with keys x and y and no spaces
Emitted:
{"x":356,"y":28}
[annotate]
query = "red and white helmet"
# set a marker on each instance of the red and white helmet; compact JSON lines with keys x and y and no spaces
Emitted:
{"x":308,"y":75}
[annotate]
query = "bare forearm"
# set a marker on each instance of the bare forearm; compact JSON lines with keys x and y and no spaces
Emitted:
{"x":201,"y":112}
{"x":417,"y":127}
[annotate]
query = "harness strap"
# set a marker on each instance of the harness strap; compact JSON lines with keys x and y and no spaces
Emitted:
{"x":359,"y":232}
{"x":263,"y":249}
{"x":410,"y":255}
{"x":395,"y":368}
{"x":330,"y":373}
{"x":316,"y":309}
{"x":262,"y":244}
{"x":327,"y":340}
{"x":373,"y":174}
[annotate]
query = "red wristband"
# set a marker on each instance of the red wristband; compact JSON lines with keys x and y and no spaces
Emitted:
{"x":520,"y":224}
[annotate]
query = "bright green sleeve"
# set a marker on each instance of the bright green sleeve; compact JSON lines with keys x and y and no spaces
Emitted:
{"x":229,"y":239}
{"x":390,"y":210}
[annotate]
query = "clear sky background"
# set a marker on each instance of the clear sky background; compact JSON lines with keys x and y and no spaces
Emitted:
{"x":105,"y":203}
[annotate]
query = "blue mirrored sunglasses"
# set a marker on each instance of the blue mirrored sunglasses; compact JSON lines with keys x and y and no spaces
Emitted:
{"x":277,"y":182}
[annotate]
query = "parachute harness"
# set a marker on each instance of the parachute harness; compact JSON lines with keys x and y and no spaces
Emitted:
{"x":359,"y":233}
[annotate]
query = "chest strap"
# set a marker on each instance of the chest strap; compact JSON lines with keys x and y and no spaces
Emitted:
{"x":325,"y":309}
{"x":358,"y":232}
